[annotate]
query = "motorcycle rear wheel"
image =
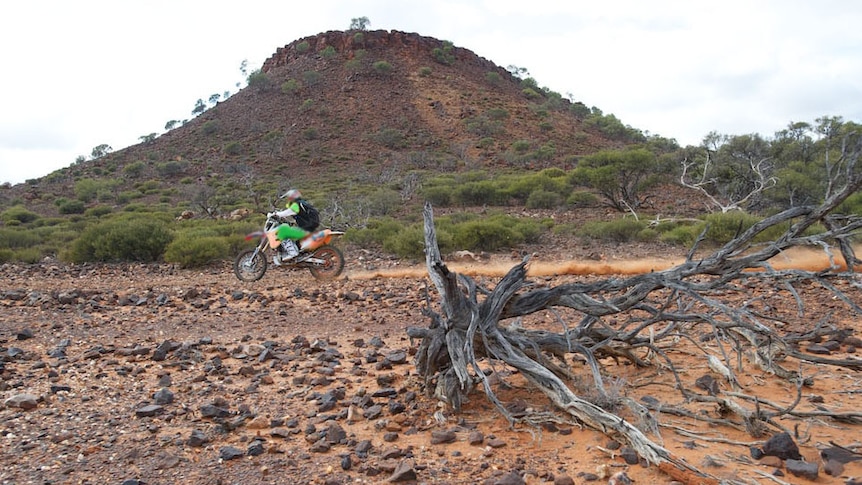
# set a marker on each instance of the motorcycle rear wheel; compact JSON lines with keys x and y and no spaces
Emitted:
{"x":333,"y":263}
{"x":249,"y":266}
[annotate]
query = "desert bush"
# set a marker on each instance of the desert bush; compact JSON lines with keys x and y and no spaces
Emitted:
{"x":543,"y":199}
{"x":134,"y":169}
{"x":382,"y":67}
{"x":328,"y":52}
{"x":141,"y":238}
{"x":18,"y":213}
{"x":191,"y":251}
{"x":582,"y":198}
{"x":98,"y":211}
{"x":375,"y":231}
{"x":291,"y":86}
{"x":233,"y":148}
{"x":617,"y":230}
{"x":424,"y":71}
{"x":14,"y":238}
{"x":493,"y":78}
{"x":483,"y":192}
{"x":72,"y":207}
{"x":682,"y":235}
{"x":438,"y":196}
{"x":485,"y":235}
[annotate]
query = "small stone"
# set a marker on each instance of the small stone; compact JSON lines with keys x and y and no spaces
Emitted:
{"x":833,"y":468}
{"x":230,"y":453}
{"x":496,"y":443}
{"x":404,"y":472}
{"x":782,"y":446}
{"x":22,"y":401}
{"x":802,"y":469}
{"x":475,"y":438}
{"x":564,"y":480}
{"x":149,"y":410}
{"x":24,"y":334}
{"x":511,"y":478}
{"x":441,"y":437}
{"x":629,"y":455}
{"x":197,"y":439}
{"x":163,"y":396}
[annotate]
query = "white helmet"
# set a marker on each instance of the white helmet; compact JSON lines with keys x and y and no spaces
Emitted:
{"x":291,"y":195}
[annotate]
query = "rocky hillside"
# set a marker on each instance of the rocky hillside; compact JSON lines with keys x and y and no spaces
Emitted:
{"x":331,"y":109}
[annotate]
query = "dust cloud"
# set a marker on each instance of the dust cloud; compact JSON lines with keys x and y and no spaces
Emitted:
{"x":807,"y":259}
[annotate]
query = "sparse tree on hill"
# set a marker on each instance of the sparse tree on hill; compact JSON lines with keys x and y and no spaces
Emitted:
{"x":100,"y":151}
{"x":359,"y":23}
{"x":200,"y":107}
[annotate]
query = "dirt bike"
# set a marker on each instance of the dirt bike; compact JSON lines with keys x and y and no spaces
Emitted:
{"x":324,"y":260}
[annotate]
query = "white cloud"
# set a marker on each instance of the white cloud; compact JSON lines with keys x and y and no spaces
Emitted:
{"x":78,"y":74}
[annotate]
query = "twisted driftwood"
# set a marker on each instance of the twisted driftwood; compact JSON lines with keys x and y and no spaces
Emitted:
{"x":665,"y":302}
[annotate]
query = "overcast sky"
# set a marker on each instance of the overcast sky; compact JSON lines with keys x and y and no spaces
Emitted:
{"x":77,"y":74}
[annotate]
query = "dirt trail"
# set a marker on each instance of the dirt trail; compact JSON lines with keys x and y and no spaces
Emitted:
{"x":807,"y":259}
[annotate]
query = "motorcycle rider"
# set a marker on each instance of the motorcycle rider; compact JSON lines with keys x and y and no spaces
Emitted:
{"x":304,"y":218}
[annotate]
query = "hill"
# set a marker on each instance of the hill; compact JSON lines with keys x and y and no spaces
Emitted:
{"x":338,"y":110}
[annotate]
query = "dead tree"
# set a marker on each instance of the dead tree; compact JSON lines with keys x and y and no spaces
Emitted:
{"x":470,"y":332}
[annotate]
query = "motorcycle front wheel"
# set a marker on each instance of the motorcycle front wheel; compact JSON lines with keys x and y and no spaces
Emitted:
{"x":333,"y":263}
{"x":250,"y":265}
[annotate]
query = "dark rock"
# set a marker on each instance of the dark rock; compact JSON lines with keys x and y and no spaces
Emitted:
{"x":708,"y":384}
{"x":390,"y":437}
{"x":230,"y":453}
{"x":833,"y":468}
{"x":440,"y":437}
{"x":213,"y":411}
{"x":629,"y":455}
{"x":802,"y":469}
{"x":404,"y":472}
{"x":346,"y":462}
{"x":475,"y":438}
{"x":385,"y":392}
{"x":197,"y":439}
{"x":321,"y":446}
{"x":511,"y":478}
{"x":55,"y":388}
{"x":396,"y":407}
{"x":496,"y":443}
{"x":373,"y":412}
{"x":255,"y":448}
{"x":149,"y":410}
{"x":782,"y":446}
{"x":24,"y":334}
{"x":163,"y":396}
{"x":563,"y":480}
{"x":335,"y":434}
{"x":755,"y":452}
{"x":818,"y":349}
{"x":362,"y":448}
{"x":397,"y":357}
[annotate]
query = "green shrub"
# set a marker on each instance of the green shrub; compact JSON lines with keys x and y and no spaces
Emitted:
{"x":13,"y":237}
{"x":6,"y":255}
{"x":543,"y":199}
{"x":382,"y":67}
{"x":233,"y":148}
{"x":683,"y":235}
{"x":98,"y":211}
{"x":27,"y":255}
{"x":311,"y":77}
{"x":483,"y":192}
{"x":493,"y":78}
{"x":134,"y":169}
{"x":141,"y":238}
{"x":582,"y":198}
{"x":438,"y":196}
{"x":328,"y":52}
{"x":72,"y":207}
{"x":424,"y":71}
{"x":375,"y":232}
{"x":18,"y":213}
{"x":485,"y":235}
{"x":210,"y":127}
{"x":190,"y":251}
{"x":291,"y":86}
{"x":617,"y":230}
{"x":723,"y":227}
{"x":302,"y":47}
{"x":407,"y":243}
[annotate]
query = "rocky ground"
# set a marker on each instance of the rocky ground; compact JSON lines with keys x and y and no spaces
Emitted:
{"x":148,"y":374}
